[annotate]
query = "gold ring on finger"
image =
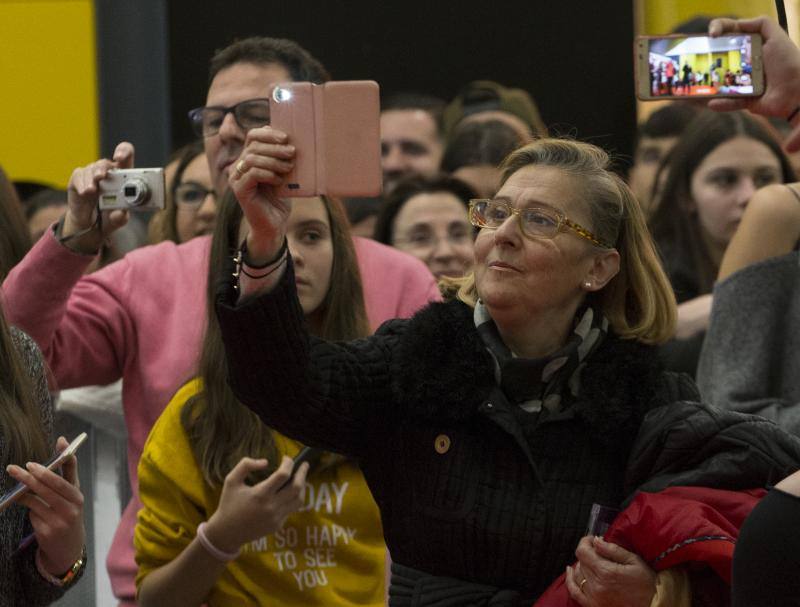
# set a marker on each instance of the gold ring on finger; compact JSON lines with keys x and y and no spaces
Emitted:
{"x":580,"y":586}
{"x":240,"y":168}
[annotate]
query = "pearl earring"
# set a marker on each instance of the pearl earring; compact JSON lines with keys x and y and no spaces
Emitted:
{"x":587,"y":284}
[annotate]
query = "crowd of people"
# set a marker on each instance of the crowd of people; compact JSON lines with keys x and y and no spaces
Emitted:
{"x":434,"y":397}
{"x":667,"y":78}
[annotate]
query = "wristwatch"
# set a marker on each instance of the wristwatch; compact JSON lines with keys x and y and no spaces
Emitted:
{"x":67,"y":578}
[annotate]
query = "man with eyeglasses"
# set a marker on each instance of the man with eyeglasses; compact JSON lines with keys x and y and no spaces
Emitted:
{"x":143,"y":317}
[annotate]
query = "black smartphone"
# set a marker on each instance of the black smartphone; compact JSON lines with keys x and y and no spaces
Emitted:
{"x":21,"y":489}
{"x":306,"y":454}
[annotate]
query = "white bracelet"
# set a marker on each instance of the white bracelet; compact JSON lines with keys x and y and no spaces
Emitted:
{"x":212,"y":549}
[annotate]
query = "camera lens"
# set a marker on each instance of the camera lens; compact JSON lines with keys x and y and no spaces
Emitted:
{"x":135,"y":192}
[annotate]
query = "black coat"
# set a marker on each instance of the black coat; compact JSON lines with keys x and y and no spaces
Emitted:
{"x":465,"y":490}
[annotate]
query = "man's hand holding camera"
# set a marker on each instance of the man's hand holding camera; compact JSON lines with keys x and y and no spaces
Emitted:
{"x":82,"y":207}
{"x":254,"y":178}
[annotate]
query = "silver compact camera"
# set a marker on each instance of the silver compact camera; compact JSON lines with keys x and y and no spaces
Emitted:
{"x":133,"y":189}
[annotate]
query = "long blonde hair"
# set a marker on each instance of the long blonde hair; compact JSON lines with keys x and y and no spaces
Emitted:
{"x":638,"y":301}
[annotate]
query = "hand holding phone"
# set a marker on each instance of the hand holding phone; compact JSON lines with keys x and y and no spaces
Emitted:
{"x":335,"y":128}
{"x":53,"y":463}
{"x":55,"y":510}
{"x":781,"y":59}
{"x":247,"y":511}
{"x":306,"y":454}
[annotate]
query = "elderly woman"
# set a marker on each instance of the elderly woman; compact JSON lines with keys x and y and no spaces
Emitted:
{"x":486,"y":426}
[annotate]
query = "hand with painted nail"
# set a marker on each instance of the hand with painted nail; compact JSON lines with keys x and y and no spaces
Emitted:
{"x":607,"y":575}
{"x":55,"y":509}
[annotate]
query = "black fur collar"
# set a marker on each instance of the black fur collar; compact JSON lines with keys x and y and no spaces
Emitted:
{"x":446,"y":373}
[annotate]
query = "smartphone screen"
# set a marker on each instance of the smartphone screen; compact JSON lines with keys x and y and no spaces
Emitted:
{"x":679,"y":66}
{"x":20,"y":489}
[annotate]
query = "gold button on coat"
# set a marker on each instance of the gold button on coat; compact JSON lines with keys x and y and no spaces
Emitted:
{"x":442,"y":444}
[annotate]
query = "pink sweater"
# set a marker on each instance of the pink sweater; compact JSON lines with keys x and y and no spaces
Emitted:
{"x":142,"y":319}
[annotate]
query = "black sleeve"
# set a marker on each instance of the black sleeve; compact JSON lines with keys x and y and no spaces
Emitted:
{"x":329,"y":395}
{"x":765,"y":563}
{"x":683,"y":355}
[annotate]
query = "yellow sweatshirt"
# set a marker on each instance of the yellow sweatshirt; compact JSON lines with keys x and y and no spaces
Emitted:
{"x":331,"y":552}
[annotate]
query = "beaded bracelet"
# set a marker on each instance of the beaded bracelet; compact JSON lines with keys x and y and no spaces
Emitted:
{"x":218,"y":554}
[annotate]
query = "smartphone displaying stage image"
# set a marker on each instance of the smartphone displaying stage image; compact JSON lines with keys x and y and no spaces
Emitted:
{"x":685,"y":67}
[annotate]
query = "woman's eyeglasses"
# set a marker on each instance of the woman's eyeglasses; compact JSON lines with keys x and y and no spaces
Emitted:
{"x":534,"y":222}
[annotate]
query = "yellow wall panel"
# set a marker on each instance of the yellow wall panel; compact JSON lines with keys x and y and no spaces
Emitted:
{"x":660,"y":16}
{"x":49,"y":104}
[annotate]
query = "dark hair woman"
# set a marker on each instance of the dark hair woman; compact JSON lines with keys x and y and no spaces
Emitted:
{"x":475,"y":151}
{"x":191,"y":204}
{"x":711,"y":175}
{"x":16,"y":240}
{"x":706,"y":190}
{"x":41,"y":536}
{"x":199,"y":463}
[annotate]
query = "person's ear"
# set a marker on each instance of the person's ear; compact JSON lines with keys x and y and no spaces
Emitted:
{"x":605,"y":266}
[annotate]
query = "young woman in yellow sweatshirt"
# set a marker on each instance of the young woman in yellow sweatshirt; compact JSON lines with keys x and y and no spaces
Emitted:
{"x":218,"y":526}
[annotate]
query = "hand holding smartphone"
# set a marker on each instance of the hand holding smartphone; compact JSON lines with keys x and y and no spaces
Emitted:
{"x":306,"y":454}
{"x":53,"y":463}
{"x":335,"y":128}
{"x":690,"y":67}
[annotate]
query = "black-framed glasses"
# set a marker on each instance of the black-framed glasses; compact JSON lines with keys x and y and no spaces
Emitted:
{"x":191,"y":194}
{"x":534,"y":222}
{"x":249,"y":114}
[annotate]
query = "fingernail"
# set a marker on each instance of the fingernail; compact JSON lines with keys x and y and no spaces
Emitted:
{"x":290,"y":149}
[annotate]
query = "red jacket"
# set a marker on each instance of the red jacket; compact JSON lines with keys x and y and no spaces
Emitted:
{"x":695,"y":527}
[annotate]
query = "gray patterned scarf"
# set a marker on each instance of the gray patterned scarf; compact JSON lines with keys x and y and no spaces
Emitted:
{"x":534,"y":384}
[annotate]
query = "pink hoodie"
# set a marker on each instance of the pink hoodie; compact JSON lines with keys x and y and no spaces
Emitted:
{"x":142,"y":319}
